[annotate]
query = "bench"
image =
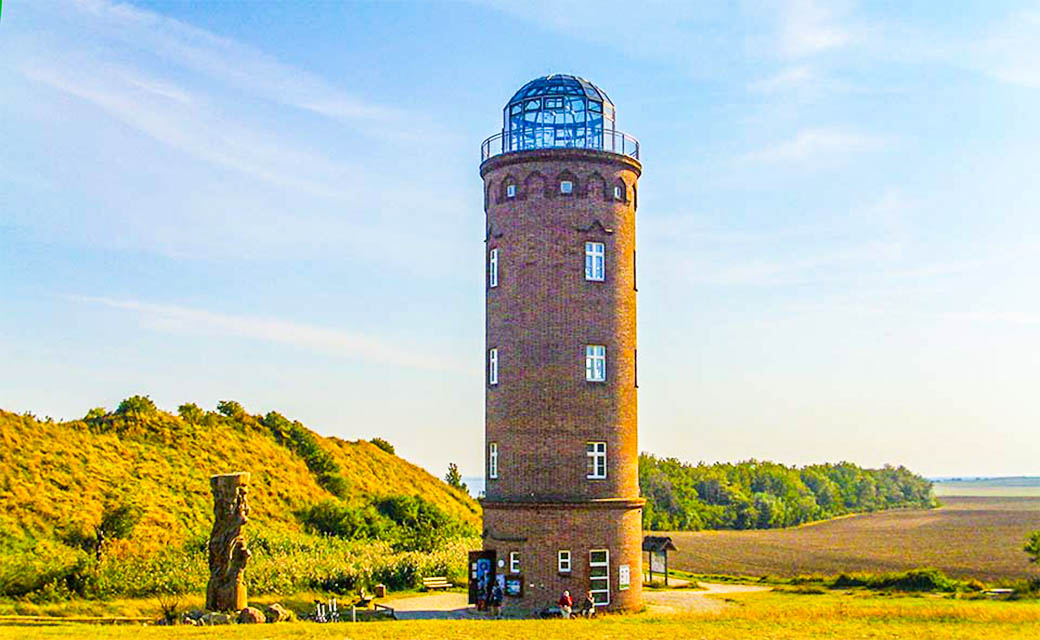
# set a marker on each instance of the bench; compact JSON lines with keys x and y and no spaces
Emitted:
{"x":436,"y":582}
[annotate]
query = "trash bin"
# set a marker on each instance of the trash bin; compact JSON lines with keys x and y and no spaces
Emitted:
{"x":380,"y":590}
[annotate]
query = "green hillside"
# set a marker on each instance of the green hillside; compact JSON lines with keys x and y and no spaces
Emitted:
{"x":58,"y":479}
{"x":57,"y":475}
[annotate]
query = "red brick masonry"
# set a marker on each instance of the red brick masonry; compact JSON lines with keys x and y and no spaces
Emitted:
{"x":543,"y":412}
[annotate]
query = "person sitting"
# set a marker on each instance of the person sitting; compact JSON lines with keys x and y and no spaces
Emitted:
{"x":588,"y":606}
{"x":565,"y":603}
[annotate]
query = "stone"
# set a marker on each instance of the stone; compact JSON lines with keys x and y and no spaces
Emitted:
{"x":226,"y":590}
{"x":215,"y":618}
{"x":251,"y":615}
{"x":277,"y":613}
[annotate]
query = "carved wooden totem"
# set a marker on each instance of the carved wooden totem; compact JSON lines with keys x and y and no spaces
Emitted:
{"x":228,"y":554}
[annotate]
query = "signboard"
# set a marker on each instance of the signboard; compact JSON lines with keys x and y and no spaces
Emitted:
{"x":623,"y":577}
{"x":657,"y":561}
{"x":481,"y":574}
{"x":515,"y":585}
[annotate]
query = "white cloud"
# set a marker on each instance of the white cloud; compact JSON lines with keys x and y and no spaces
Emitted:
{"x":786,"y":79}
{"x":185,"y":320}
{"x":229,"y":61}
{"x":167,"y":114}
{"x":806,"y":28}
{"x":1011,"y":53}
{"x":812,"y":143}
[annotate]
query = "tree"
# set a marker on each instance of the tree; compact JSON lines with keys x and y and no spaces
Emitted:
{"x":95,"y":415}
{"x":454,"y":478}
{"x":1033,"y":547}
{"x":384,"y":445}
{"x":230,"y":408}
{"x":137,"y":406}
{"x":191,"y":413}
{"x":117,"y":522}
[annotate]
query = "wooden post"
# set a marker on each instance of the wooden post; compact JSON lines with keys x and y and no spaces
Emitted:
{"x":666,"y":567}
{"x":353,"y":613}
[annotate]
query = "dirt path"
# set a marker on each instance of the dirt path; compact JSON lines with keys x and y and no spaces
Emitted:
{"x":439,"y":605}
{"x":681,"y":600}
{"x":453,"y":605}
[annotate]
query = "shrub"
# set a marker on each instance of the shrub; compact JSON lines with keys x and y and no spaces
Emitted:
{"x":384,"y":445}
{"x":137,"y":406}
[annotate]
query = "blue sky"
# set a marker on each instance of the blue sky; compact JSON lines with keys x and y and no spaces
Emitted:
{"x":279,"y":203}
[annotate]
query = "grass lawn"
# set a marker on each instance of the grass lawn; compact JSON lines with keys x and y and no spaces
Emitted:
{"x":775,"y":616}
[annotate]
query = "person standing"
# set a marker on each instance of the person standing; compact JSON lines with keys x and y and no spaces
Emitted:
{"x":588,"y":607}
{"x":566,"y":603}
{"x":496,"y":600}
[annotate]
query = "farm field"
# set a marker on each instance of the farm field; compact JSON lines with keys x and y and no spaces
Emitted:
{"x":978,"y":537}
{"x":778,"y":616}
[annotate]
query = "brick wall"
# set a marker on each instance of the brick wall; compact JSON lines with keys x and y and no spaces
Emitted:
{"x":540,"y":317}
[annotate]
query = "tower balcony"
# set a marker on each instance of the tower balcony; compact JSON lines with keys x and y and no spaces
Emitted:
{"x":555,"y":137}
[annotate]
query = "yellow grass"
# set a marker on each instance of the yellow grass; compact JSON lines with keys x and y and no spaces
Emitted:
{"x":773,"y":616}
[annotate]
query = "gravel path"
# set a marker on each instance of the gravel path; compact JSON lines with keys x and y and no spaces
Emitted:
{"x":453,"y":605}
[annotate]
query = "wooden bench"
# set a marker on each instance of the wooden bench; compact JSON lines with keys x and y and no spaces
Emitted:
{"x":436,"y":582}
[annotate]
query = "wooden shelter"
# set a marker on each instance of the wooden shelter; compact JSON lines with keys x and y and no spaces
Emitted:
{"x":658,"y":548}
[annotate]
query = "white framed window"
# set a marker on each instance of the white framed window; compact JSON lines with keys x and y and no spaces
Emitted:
{"x":563,"y":561}
{"x":594,"y":267}
{"x":514,"y":562}
{"x":596,"y":455}
{"x":493,"y":460}
{"x":595,"y":363}
{"x":493,"y":268}
{"x":619,"y":192}
{"x":566,"y":187}
{"x":599,"y":576}
{"x":511,"y":191}
{"x":493,"y":366}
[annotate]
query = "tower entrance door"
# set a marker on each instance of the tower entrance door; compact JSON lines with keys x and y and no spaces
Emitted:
{"x":481,"y":574}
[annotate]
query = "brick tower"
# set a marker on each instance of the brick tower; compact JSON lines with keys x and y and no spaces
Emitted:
{"x":562,"y":507}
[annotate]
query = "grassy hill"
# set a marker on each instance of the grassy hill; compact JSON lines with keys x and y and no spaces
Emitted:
{"x":57,"y":479}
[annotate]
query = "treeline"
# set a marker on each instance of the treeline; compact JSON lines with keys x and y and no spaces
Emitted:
{"x":767,"y":495}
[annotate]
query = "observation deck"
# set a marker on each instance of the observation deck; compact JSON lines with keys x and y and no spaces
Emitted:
{"x":559,"y":111}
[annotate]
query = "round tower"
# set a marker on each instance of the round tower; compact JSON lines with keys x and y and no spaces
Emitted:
{"x":562,"y":507}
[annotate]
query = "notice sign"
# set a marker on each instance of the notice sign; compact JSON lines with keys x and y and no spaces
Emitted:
{"x":623,"y":577}
{"x":657,"y":562}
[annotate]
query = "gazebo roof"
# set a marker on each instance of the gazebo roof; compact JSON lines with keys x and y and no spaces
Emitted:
{"x":658,"y":543}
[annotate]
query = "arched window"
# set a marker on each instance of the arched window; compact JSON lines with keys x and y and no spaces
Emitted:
{"x":619,"y":192}
{"x":568,"y":184}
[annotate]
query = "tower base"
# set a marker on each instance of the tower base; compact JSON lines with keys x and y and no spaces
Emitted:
{"x":604,"y":540}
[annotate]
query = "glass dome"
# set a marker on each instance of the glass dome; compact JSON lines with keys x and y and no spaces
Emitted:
{"x":559,"y":111}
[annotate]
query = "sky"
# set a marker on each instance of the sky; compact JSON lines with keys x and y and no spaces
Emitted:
{"x":280,"y":204}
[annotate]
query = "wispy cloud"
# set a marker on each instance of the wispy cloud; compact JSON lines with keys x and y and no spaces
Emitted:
{"x":186,"y":320}
{"x":1011,"y":52}
{"x":785,"y":79}
{"x":816,"y":142}
{"x":230,"y":61}
{"x":807,"y":28}
{"x":168,"y":114}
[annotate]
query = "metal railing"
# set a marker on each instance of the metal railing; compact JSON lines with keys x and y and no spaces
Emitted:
{"x":529,"y":139}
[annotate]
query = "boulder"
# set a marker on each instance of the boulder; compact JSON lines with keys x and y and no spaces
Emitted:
{"x":251,"y":615}
{"x":212,"y":619}
{"x":277,"y":613}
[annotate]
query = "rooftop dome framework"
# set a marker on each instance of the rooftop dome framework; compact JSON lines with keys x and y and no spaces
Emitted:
{"x":559,"y":111}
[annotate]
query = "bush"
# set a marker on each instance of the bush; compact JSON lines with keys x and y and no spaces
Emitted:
{"x":137,"y":406}
{"x":384,"y":445}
